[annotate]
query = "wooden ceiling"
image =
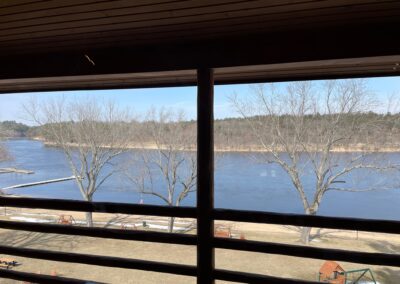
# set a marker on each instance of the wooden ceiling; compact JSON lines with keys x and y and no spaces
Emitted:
{"x":42,"y":26}
{"x":44,"y":38}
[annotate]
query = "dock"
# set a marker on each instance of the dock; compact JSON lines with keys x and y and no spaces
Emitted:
{"x":15,"y":170}
{"x":39,"y":183}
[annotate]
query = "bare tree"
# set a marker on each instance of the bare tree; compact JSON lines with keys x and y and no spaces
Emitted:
{"x":301,"y":127}
{"x":166,"y":166}
{"x":4,"y":154}
{"x":90,"y":133}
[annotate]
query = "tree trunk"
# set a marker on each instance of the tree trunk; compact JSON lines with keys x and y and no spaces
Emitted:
{"x":171,"y":224}
{"x":89,"y":215}
{"x":305,"y":235}
{"x":306,"y":231}
{"x":89,"y":219}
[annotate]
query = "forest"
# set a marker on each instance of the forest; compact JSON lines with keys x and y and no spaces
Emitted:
{"x":369,"y":131}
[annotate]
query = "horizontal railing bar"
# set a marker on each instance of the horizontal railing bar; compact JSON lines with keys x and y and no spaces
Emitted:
{"x":308,"y":252}
{"x":101,"y":207}
{"x":235,"y":276}
{"x":40,"y":278}
{"x":108,"y":261}
{"x":370,"y":225}
{"x":134,"y":235}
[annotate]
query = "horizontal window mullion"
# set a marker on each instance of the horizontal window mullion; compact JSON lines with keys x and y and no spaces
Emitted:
{"x":236,"y":276}
{"x":40,"y":278}
{"x":370,"y":225}
{"x":308,"y":252}
{"x":100,"y":207}
{"x":137,"y":235}
{"x":107,"y":261}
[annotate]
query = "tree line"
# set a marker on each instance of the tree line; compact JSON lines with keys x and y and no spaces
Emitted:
{"x":382,"y":131}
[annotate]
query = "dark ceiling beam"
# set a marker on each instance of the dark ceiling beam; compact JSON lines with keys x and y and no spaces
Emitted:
{"x":326,"y":69}
{"x":299,"y":46}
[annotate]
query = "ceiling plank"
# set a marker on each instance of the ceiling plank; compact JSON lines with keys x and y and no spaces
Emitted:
{"x":200,"y":30}
{"x":171,"y":16}
{"x":269,"y":48}
{"x":84,"y":10}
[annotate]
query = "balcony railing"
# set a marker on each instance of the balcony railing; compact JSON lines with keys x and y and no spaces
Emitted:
{"x":381,"y":226}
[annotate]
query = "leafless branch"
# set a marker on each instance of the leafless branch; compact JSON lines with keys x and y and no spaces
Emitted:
{"x":90,"y":133}
{"x":300,"y":127}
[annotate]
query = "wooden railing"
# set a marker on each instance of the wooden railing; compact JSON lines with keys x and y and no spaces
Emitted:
{"x":381,"y":226}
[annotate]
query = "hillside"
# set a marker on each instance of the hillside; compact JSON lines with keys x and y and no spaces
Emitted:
{"x":13,"y":129}
{"x":375,"y":131}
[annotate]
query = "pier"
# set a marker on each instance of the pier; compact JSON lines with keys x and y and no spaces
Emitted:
{"x":39,"y":182}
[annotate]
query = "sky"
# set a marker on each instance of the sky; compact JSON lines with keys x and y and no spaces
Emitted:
{"x":183,"y":98}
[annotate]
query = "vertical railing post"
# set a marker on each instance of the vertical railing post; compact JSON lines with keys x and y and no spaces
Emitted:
{"x":205,"y":175}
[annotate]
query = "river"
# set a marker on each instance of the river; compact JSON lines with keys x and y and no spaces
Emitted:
{"x":240,"y":183}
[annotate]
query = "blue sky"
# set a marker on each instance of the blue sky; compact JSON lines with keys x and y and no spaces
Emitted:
{"x":177,"y":98}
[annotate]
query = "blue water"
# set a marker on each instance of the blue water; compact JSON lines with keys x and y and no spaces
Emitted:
{"x":241,"y":182}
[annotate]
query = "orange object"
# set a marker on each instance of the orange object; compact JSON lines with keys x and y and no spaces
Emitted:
{"x":223,"y":233}
{"x":66,"y":220}
{"x":330,"y":273}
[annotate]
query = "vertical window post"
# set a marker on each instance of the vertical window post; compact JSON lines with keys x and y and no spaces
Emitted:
{"x":205,"y":175}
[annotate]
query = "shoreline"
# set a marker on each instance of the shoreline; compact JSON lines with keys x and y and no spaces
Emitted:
{"x":13,"y":195}
{"x":357,"y":148}
{"x":37,"y":215}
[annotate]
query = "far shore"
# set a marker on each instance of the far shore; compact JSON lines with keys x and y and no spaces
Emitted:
{"x":354,"y":148}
